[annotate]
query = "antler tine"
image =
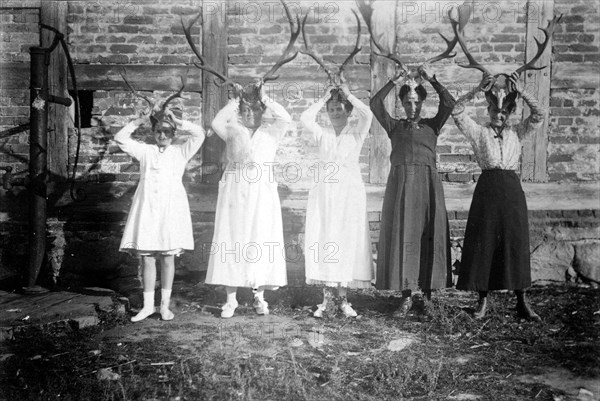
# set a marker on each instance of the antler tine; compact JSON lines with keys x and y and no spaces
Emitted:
{"x":461,"y":40}
{"x":285,"y":58}
{"x":548,"y":31}
{"x":202,"y":65}
{"x":367,"y":11}
{"x":177,"y":94}
{"x":310,"y":52}
{"x":135,"y":92}
{"x":450,"y":44}
{"x":357,"y":47}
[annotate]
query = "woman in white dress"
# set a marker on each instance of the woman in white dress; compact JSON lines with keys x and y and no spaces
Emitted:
{"x":248,"y":247}
{"x":337,"y":243}
{"x":159,"y":225}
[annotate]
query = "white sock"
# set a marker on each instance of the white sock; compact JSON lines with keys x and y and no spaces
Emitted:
{"x":231,"y":297}
{"x":165,"y":300}
{"x":259,"y":294}
{"x":148,"y":307}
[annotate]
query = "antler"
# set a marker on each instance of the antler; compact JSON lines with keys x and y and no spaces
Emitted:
{"x":135,"y":92}
{"x":464,"y":13}
{"x":285,"y":57}
{"x":548,"y":31}
{"x":450,"y":44}
{"x":367,"y":12}
{"x":202,"y":65}
{"x":461,"y":40}
{"x":177,"y":94}
{"x":309,"y":51}
{"x":357,"y":48}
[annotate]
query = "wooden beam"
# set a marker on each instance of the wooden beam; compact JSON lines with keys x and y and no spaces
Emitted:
{"x":54,"y":14}
{"x":142,"y":77}
{"x":535,"y":148}
{"x":381,"y":69}
{"x":214,"y":49}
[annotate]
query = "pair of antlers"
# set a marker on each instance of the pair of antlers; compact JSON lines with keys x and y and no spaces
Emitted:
{"x":541,"y":47}
{"x":157,"y":110}
{"x":366,"y":9}
{"x":333,"y":76}
{"x":288,"y":54}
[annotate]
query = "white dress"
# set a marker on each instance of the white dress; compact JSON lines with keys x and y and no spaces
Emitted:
{"x":248,"y":248}
{"x":159,"y":218}
{"x":337,"y":247}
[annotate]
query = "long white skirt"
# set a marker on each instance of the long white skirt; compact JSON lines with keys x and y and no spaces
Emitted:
{"x":248,"y":249}
{"x":337,"y":247}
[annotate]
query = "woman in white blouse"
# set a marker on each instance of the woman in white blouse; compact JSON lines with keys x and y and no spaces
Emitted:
{"x":337,"y":243}
{"x":159,"y":225}
{"x":495,"y":253}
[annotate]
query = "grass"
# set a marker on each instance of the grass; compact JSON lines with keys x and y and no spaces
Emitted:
{"x":292,"y":356}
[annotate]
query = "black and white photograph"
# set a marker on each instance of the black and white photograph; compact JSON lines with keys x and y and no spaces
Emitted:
{"x":300,"y":200}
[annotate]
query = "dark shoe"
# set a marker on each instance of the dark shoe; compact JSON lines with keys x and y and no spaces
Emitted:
{"x":524,"y":311}
{"x":405,"y":306}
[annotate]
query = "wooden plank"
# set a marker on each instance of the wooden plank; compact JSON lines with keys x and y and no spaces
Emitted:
{"x":143,"y":77}
{"x":381,"y":70}
{"x":214,"y":49}
{"x":566,"y":75}
{"x":54,"y":14}
{"x":535,"y":149}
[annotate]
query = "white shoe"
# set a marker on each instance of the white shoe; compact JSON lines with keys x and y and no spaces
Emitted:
{"x":320,"y":309}
{"x":261,"y":306}
{"x":148,"y":308}
{"x":166,"y":314}
{"x":228,"y":309}
{"x":347,"y":310}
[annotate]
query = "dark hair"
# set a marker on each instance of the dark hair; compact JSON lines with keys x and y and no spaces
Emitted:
{"x":337,"y":96}
{"x":421,"y":91}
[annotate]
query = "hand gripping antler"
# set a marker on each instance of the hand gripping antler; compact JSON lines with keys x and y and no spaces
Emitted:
{"x":203,"y":65}
{"x":548,"y":31}
{"x":309,"y":51}
{"x":285,"y":57}
{"x":366,"y":10}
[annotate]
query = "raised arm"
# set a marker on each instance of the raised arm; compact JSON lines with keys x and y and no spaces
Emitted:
{"x":364,"y":114}
{"x":465,"y":124}
{"x":227,"y":116}
{"x":276,"y":116}
{"x":195,"y":140}
{"x":445,"y":107}
{"x":537,"y":111}
{"x":128,"y":145}
{"x":377,"y":105}
{"x":309,"y":117}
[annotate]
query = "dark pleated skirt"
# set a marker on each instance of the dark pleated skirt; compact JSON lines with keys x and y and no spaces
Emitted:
{"x":414,"y":244}
{"x":495,"y":253}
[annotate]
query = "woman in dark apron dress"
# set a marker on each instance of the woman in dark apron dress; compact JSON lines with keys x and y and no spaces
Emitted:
{"x":414,"y":245}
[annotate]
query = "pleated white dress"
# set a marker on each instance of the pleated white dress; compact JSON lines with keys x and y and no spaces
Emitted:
{"x":248,"y":249}
{"x":159,"y":219}
{"x":337,"y":247}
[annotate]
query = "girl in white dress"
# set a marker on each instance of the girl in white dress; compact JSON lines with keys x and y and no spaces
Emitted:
{"x":337,"y":243}
{"x":159,"y":225}
{"x":248,"y":247}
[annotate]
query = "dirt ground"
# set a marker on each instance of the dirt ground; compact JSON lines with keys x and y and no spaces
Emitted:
{"x":438,"y":352}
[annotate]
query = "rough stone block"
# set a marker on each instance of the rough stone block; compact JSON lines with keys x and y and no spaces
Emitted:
{"x":550,"y":261}
{"x":587,"y":260}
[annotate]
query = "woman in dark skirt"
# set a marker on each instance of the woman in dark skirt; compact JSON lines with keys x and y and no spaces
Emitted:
{"x":414,"y":246}
{"x":495,"y":253}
